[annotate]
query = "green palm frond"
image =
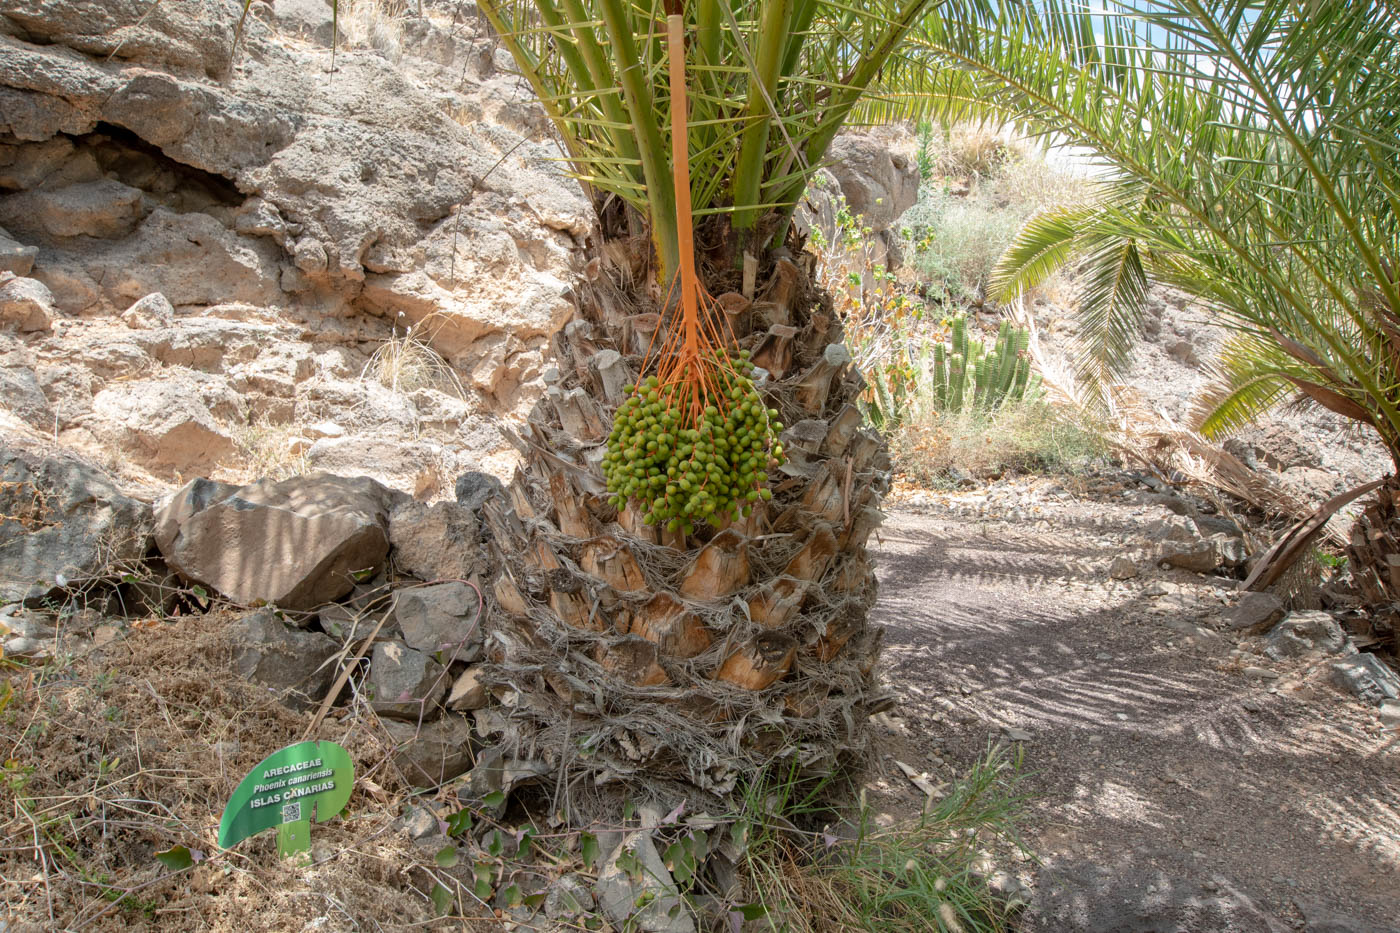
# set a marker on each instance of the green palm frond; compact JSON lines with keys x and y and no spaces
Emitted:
{"x":1112,"y":299}
{"x":1251,"y":379}
{"x":1043,"y":245}
{"x":1264,"y":138}
{"x":770,"y":84}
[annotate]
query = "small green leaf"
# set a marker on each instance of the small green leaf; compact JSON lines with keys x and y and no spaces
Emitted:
{"x":524,"y":838}
{"x":533,"y":901}
{"x":590,"y":850}
{"x":497,"y":845}
{"x":628,"y":810}
{"x":482,"y":887}
{"x":129,"y":578}
{"x":753,"y":911}
{"x":360,"y":576}
{"x":494,"y":799}
{"x":446,"y":857}
{"x":442,"y":899}
{"x":512,"y":896}
{"x":627,"y":861}
{"x":459,"y":823}
{"x":199,"y":591}
{"x":176,"y":858}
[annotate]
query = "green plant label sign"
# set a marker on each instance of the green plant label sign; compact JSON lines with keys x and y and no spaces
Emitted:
{"x":285,"y":790}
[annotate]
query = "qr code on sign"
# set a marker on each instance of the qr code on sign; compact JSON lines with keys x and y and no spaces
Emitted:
{"x":291,"y":812}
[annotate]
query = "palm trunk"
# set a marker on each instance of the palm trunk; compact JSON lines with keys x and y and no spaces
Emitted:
{"x":634,"y":654}
{"x":1374,"y":556}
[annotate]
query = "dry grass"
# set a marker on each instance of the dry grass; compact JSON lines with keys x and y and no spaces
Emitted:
{"x":969,"y":149}
{"x":374,"y":24}
{"x":135,"y":747}
{"x":407,"y":362}
{"x":933,"y":446}
{"x":983,"y":188}
{"x":267,"y":450}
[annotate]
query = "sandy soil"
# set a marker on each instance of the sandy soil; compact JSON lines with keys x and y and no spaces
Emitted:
{"x":1172,"y":789}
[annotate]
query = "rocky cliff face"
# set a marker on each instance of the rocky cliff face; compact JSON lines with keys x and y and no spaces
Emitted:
{"x":312,"y":210}
{"x":202,"y":247}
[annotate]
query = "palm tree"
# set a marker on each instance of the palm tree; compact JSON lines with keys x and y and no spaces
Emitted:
{"x":701,"y":649}
{"x":1253,"y":160}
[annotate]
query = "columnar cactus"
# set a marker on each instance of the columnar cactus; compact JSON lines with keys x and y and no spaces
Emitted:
{"x":965,"y":376}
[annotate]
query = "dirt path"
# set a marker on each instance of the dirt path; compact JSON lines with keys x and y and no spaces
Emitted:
{"x":1173,"y":790}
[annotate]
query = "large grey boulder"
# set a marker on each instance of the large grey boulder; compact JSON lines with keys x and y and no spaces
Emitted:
{"x":879,"y":184}
{"x":1254,"y":613}
{"x":1366,"y":676}
{"x":1305,"y":634}
{"x":61,"y":519}
{"x":407,"y":684}
{"x":296,"y":544}
{"x":432,"y":753}
{"x":435,"y":542}
{"x":441,"y":618}
{"x":291,"y":662}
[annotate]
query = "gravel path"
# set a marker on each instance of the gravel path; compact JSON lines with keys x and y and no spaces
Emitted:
{"x":1173,"y":789}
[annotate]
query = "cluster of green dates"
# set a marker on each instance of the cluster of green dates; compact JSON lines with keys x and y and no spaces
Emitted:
{"x":682,"y":469}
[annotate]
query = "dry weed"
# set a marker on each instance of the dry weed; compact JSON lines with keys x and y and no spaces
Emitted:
{"x":407,"y":362}
{"x":136,"y":747}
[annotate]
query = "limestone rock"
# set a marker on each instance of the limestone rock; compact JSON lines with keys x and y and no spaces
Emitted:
{"x":1122,"y":568}
{"x":297,"y":543}
{"x":1254,"y":613}
{"x":282,"y":189}
{"x":879,"y":185}
{"x":468,"y":691}
{"x":433,"y":753}
{"x":25,"y":303}
{"x":163,"y":423}
{"x":59,"y":517}
{"x":194,"y":34}
{"x":20,"y":392}
{"x":290,"y":661}
{"x":150,"y":312}
{"x":394,"y":461}
{"x":15,"y":257}
{"x":636,"y":891}
{"x":1302,"y":634}
{"x":440,"y":618}
{"x":105,"y":209}
{"x":408,"y":684}
{"x":1366,"y":676}
{"x":435,"y":542}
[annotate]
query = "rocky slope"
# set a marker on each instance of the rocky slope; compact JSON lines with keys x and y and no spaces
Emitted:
{"x":233,"y":262}
{"x":287,"y":218}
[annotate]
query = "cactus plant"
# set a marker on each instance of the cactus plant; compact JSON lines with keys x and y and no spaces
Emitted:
{"x":968,"y":376}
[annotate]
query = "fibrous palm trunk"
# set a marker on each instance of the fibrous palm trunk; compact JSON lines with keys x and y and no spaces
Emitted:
{"x":1374,"y":557}
{"x":646,"y":657}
